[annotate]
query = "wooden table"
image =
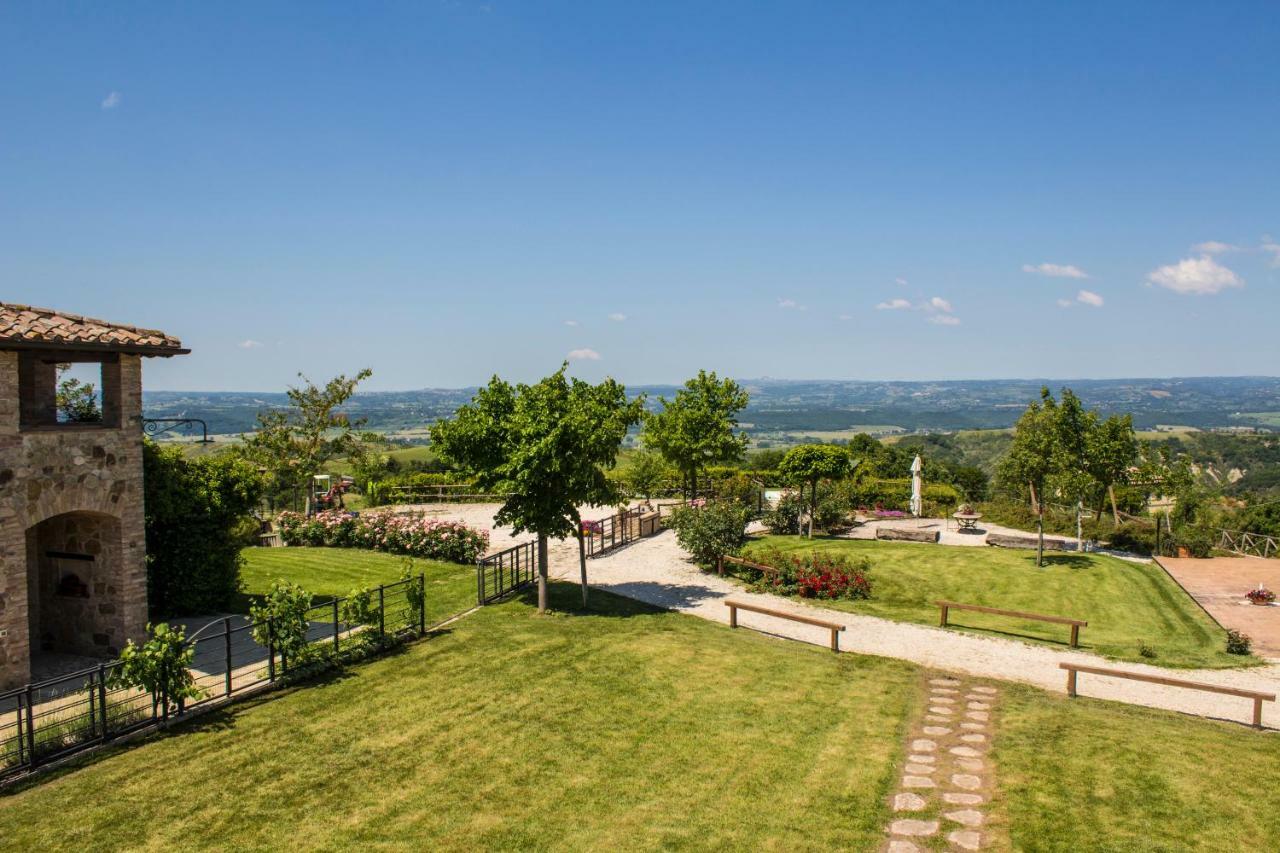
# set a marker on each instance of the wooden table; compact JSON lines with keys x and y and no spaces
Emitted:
{"x":967,"y":520}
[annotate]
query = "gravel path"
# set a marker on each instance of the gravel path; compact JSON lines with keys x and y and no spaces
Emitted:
{"x":657,"y":571}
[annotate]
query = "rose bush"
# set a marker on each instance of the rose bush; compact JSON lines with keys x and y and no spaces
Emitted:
{"x":386,"y":531}
{"x":812,"y":574}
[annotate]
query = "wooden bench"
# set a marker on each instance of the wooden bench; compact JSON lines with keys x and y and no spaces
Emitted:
{"x":906,"y":534}
{"x":1026,"y":543}
{"x":738,"y":561}
{"x":1257,"y":696}
{"x":834,"y":627}
{"x":1076,"y":624}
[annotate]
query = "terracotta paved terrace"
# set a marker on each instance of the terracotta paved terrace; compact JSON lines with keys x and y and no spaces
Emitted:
{"x":1219,"y":585}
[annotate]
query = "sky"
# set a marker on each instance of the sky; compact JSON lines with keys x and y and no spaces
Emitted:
{"x":443,"y":191}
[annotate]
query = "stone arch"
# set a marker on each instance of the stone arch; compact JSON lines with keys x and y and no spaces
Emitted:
{"x":78,"y":583}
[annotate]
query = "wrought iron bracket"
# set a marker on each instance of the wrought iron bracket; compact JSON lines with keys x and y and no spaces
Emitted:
{"x":159,"y":426}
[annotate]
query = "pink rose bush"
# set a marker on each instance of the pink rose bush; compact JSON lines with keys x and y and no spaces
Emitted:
{"x":386,"y":531}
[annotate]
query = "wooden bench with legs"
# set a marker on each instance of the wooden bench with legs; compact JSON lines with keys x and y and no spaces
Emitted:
{"x":746,"y":564}
{"x":1076,"y":624}
{"x":1258,"y":697}
{"x":834,"y":627}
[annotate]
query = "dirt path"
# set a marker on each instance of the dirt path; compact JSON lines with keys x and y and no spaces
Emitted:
{"x":657,"y":571}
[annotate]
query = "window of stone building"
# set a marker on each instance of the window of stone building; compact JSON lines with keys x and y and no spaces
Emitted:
{"x":69,"y":390}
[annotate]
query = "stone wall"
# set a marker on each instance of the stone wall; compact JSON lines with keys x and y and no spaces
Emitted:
{"x":48,"y":471}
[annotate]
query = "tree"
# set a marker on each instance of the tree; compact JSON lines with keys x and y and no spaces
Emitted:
{"x":546,"y":446}
{"x":77,"y":401}
{"x":198,"y":514}
{"x":1112,"y":454}
{"x":1073,"y":428}
{"x":646,"y":473}
{"x":1031,"y":457}
{"x":696,"y":428}
{"x":809,"y":463}
{"x":293,"y":444}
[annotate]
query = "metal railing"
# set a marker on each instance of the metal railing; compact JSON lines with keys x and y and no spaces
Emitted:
{"x":505,"y":572}
{"x":606,"y":534}
{"x":58,"y":717}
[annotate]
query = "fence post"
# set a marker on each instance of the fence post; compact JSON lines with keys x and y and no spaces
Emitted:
{"x":382,"y":614}
{"x":93,"y":719}
{"x":102,"y":700}
{"x":22,"y":738}
{"x":226,"y":643}
{"x":479,"y":581}
{"x":271,"y":649}
{"x":337,"y":643}
{"x":31,"y":730}
{"x":422,"y":604}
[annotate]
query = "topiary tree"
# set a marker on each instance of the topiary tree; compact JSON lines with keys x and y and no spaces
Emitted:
{"x":546,"y":447}
{"x":810,"y":463}
{"x":695,"y":428}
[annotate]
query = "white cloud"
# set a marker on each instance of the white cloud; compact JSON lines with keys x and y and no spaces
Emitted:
{"x":1271,"y":246}
{"x":617,"y":316}
{"x":112,"y":100}
{"x":1199,"y":276}
{"x":583,"y":354}
{"x":1213,"y":247}
{"x":846,"y":317}
{"x":894,"y":305}
{"x":937,"y":303}
{"x":249,"y":344}
{"x":1055,"y":270}
{"x":900,"y":280}
{"x":944,"y":320}
{"x":1088,"y":297}
{"x":790,"y":305}
{"x":571,"y":322}
{"x":1065,"y":303}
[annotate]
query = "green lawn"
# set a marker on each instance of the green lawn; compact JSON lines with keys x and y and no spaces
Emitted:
{"x":1126,"y":604}
{"x":632,"y":728}
{"x":327,"y":572}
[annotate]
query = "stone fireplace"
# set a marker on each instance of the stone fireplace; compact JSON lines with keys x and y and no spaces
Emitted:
{"x":73,"y":577}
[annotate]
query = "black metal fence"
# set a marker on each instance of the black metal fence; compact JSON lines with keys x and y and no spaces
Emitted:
{"x":499,"y":575}
{"x":604,"y":535}
{"x":58,"y":717}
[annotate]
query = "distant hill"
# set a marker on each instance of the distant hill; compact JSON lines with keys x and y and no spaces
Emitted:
{"x":787,"y":410}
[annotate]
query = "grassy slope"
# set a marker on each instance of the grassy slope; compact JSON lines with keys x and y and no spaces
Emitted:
{"x":632,"y":728}
{"x":1083,"y":774}
{"x":325,"y":572}
{"x":1125,"y":603}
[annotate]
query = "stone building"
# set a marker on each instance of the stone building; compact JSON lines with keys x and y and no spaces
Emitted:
{"x":73,"y":575}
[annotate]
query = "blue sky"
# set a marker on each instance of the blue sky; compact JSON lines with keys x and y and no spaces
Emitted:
{"x":442,"y":191}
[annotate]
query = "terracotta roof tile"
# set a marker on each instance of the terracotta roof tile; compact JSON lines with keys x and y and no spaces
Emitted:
{"x":21,"y":324}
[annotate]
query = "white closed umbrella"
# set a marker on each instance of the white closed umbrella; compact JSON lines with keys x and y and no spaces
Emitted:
{"x":917,"y":487}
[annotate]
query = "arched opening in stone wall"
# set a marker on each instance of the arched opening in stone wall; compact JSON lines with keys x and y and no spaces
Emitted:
{"x":73,"y":578}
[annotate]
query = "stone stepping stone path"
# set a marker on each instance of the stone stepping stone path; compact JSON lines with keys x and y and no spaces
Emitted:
{"x":944,"y":789}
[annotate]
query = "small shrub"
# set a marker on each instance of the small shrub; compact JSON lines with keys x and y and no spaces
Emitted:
{"x":711,"y":530}
{"x":812,"y":574}
{"x":1238,"y":643}
{"x":830,"y":516}
{"x":784,"y":518}
{"x":1134,"y":537}
{"x":161,"y":666}
{"x":286,"y":606}
{"x":1197,"y":540}
{"x":1146,"y":650}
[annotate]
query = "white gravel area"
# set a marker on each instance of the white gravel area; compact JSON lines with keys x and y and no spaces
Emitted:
{"x":657,"y":571}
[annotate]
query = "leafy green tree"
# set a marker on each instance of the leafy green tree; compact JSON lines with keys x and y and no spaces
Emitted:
{"x":280,"y":621}
{"x":77,"y":401}
{"x":161,"y":666}
{"x":546,"y":447}
{"x":1073,"y":427}
{"x":696,"y":427}
{"x":810,"y":463}
{"x":1111,"y":456}
{"x":293,"y":444}
{"x":646,"y":473}
{"x":1030,"y":461}
{"x":198,"y":515}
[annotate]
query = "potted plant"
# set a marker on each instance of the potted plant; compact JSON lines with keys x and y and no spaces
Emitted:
{"x":1261,"y":595}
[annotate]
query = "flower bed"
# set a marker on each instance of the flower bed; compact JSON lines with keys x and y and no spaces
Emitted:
{"x":386,"y":531}
{"x":812,"y":575}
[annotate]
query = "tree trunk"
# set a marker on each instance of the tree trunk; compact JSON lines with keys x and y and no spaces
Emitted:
{"x":813,"y":504}
{"x":542,"y":573}
{"x":1035,"y":504}
{"x":1115,"y":510}
{"x":693,"y":479}
{"x":1079,"y":526}
{"x":582,"y":563}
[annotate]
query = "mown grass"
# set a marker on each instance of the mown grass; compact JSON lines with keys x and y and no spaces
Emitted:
{"x":333,"y":572}
{"x":1126,"y":604}
{"x":1083,"y":774}
{"x":628,"y":728}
